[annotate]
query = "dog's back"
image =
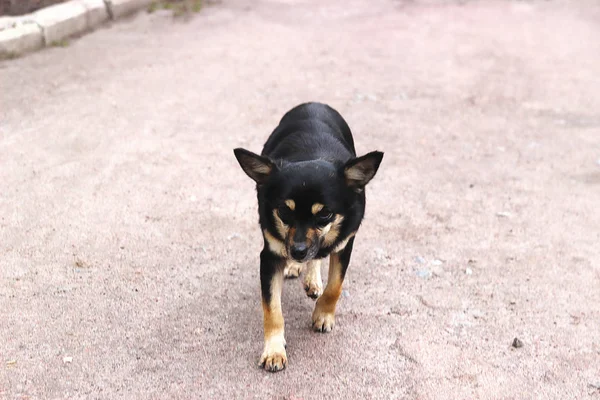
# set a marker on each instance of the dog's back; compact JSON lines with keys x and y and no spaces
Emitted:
{"x":311,"y":131}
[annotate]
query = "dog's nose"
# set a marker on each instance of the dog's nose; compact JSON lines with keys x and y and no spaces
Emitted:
{"x":299,"y":251}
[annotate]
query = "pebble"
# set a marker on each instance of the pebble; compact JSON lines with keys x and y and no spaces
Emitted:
{"x":420,"y":260}
{"x":503,"y":214}
{"x":436,"y":262}
{"x":234,"y":236}
{"x":517,"y":343}
{"x":424,"y":273}
{"x":380,"y":253}
{"x":595,"y":385}
{"x":345,"y":293}
{"x":67,"y":360}
{"x":469,"y":271}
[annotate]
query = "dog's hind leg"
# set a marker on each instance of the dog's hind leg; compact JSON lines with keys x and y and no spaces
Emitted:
{"x":313,"y":285}
{"x":292,"y":269}
{"x":324,"y":314}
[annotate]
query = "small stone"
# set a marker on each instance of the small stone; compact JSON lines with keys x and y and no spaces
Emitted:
{"x":11,"y":362}
{"x":517,"y":343}
{"x":345,"y":293}
{"x":193,"y":198}
{"x":380,"y":253}
{"x":424,"y":273}
{"x":437,"y":262}
{"x":503,"y":214}
{"x":437,"y":270}
{"x":234,"y":236}
{"x":469,"y":271}
{"x":67,"y":360}
{"x":595,"y":385}
{"x":420,"y":260}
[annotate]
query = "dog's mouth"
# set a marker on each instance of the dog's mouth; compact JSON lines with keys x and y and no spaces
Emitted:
{"x":302,"y":254}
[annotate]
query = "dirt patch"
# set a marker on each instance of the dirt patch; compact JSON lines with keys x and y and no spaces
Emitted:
{"x":21,"y":7}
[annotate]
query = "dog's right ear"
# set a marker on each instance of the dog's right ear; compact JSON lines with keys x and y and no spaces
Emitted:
{"x":256,"y":167}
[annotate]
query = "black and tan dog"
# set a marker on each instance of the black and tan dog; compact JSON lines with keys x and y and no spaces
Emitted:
{"x":311,"y":200}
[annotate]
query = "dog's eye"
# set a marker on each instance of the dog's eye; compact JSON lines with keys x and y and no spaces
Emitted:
{"x":285,"y":214}
{"x":324,"y":217}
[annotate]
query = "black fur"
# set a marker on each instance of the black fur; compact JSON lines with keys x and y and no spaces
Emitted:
{"x":308,"y":153}
{"x":309,"y":158}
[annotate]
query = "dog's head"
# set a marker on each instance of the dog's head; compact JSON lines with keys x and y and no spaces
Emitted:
{"x":307,"y":204}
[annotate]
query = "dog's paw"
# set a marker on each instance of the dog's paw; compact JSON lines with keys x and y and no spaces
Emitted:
{"x":274,"y":357}
{"x":313,"y":288}
{"x":322,"y":321}
{"x":313,"y":285}
{"x":292,"y":270}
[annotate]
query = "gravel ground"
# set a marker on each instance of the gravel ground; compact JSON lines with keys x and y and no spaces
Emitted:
{"x":129,"y":241}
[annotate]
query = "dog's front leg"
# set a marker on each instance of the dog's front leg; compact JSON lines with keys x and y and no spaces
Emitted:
{"x":324,"y":314}
{"x":274,"y":357}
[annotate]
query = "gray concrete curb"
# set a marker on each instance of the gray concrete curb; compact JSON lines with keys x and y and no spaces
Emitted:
{"x":122,"y":8}
{"x":51,"y":25}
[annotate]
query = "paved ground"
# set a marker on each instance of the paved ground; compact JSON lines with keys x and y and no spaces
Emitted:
{"x":129,"y":238}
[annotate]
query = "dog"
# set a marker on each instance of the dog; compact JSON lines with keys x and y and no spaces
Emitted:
{"x":311,"y":201}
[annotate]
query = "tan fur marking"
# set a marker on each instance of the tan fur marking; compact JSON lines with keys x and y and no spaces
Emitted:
{"x":274,"y":357}
{"x":311,"y":236}
{"x":275,"y":245}
{"x":316,"y":208}
{"x":282,"y":228}
{"x":324,"y":230}
{"x":273,"y":317}
{"x":333,"y":290}
{"x":324,"y":314}
{"x":334,"y":231}
{"x":260,"y":168}
{"x":343,"y":243}
{"x":291,"y":204}
{"x":292,"y":269}
{"x":313,"y":285}
{"x":355,"y":174}
{"x":290,"y":237}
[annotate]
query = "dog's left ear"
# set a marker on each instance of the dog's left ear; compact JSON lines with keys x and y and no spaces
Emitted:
{"x":359,"y":171}
{"x":256,"y":167}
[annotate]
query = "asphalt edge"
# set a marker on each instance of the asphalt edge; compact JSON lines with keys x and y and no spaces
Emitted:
{"x":52,"y":26}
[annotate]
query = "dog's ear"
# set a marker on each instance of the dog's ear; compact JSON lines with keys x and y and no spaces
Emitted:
{"x":359,"y":171}
{"x":256,"y":167}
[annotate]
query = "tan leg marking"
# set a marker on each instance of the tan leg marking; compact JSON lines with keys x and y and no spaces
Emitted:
{"x":324,"y":314}
{"x":313,"y":285}
{"x":274,"y":357}
{"x":292,"y":269}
